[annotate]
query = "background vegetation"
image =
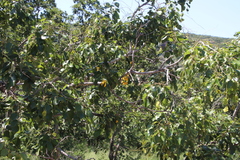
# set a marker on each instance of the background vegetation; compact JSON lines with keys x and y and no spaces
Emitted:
{"x":90,"y":82}
{"x":219,"y":42}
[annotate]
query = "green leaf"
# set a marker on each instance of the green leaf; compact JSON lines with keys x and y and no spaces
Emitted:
{"x":1,"y":145}
{"x":55,"y":101}
{"x":4,"y":152}
{"x":14,"y":116}
{"x":49,"y":146}
{"x":12,"y":79}
{"x":24,"y":156}
{"x":115,"y":17}
{"x":165,"y":102}
{"x":6,"y":66}
{"x":97,"y":133}
{"x":116,"y":4}
{"x":168,"y":132}
{"x":78,"y":107}
{"x":9,"y":48}
{"x":27,"y":86}
{"x":187,"y":54}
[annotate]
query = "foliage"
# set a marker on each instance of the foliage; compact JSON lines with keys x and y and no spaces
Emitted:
{"x":117,"y":86}
{"x":202,"y":123}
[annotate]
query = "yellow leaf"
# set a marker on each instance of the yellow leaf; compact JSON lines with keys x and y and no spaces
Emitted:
{"x":211,"y":98}
{"x":104,"y":83}
{"x":189,"y":154}
{"x":124,"y":80}
{"x":225,"y":109}
{"x":44,"y":113}
{"x":54,"y":134}
{"x":98,"y":68}
{"x":124,"y":83}
{"x":157,"y":103}
{"x":142,"y":70}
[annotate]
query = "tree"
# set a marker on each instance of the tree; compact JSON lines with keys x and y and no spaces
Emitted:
{"x":203,"y":123}
{"x":130,"y":84}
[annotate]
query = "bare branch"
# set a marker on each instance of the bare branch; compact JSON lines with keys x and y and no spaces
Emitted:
{"x":167,"y":76}
{"x":133,"y":61}
{"x":131,"y":71}
{"x":84,"y":84}
{"x":22,"y":43}
{"x":153,"y":110}
{"x":67,"y":155}
{"x":148,"y":72}
{"x":125,"y":55}
{"x":134,"y":13}
{"x":97,"y":114}
{"x":166,"y":61}
{"x":173,"y":64}
{"x":214,"y":104}
{"x":116,"y":59}
{"x":235,"y":111}
{"x":158,"y":70}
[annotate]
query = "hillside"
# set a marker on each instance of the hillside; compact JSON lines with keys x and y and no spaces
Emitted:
{"x":215,"y":41}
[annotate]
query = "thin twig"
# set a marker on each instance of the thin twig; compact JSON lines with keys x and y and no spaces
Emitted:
{"x":167,"y":76}
{"x":235,"y":111}
{"x":173,"y":64}
{"x":134,"y":13}
{"x":214,"y":104}
{"x":22,"y":43}
{"x":166,"y":61}
{"x":148,"y":72}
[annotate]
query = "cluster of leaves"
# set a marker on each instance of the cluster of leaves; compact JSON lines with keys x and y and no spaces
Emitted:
{"x":137,"y":84}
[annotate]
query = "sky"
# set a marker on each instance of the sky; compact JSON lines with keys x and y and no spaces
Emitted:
{"x":219,"y":18}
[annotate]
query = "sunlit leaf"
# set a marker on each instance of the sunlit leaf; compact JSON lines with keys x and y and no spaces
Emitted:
{"x":225,"y":109}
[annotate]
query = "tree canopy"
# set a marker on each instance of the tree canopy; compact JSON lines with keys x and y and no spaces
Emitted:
{"x":119,"y":85}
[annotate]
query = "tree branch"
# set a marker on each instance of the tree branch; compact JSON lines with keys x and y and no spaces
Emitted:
{"x":125,"y":55}
{"x":148,"y":72}
{"x":236,"y":110}
{"x":131,"y":71}
{"x":173,"y":64}
{"x":85,"y":84}
{"x":135,"y":103}
{"x":140,"y":6}
{"x":166,"y":61}
{"x":67,"y":155}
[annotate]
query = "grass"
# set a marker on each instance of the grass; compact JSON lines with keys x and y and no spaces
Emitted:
{"x":102,"y":155}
